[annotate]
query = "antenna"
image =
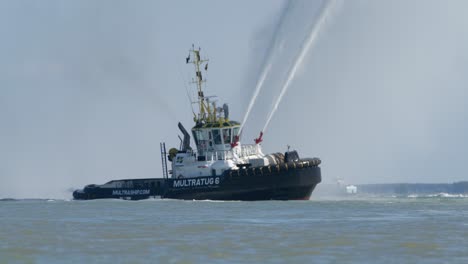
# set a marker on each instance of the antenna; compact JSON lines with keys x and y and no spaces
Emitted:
{"x":202,"y":100}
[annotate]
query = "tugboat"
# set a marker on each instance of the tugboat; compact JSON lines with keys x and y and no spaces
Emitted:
{"x":220,"y":168}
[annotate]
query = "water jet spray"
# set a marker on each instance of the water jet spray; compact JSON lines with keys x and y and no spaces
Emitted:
{"x":310,"y":41}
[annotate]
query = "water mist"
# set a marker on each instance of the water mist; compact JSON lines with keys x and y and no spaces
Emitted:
{"x":307,"y":45}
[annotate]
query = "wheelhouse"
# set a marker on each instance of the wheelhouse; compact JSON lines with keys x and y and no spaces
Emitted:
{"x":215,"y":136}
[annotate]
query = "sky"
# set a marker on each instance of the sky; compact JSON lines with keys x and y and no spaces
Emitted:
{"x":89,"y":89}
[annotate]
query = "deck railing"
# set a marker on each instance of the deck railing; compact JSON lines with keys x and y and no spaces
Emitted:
{"x":245,"y":150}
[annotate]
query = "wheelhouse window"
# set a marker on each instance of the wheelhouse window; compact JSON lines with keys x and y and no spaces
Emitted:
{"x":195,"y":137}
{"x":210,"y":136}
{"x":227,"y":135}
{"x":217,"y":137}
{"x":200,"y":138}
{"x":235,"y":131}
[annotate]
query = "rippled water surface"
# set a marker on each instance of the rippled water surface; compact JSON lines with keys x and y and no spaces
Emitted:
{"x":389,"y":230}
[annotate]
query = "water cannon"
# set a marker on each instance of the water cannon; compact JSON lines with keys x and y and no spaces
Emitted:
{"x":235,"y":142}
{"x":259,"y":139}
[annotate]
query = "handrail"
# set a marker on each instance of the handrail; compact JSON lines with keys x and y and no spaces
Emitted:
{"x":245,"y":150}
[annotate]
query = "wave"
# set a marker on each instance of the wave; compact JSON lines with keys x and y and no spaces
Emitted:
{"x":30,"y":200}
{"x":438,"y":195}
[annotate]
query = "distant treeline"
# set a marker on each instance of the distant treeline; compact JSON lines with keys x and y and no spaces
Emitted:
{"x":414,"y":188}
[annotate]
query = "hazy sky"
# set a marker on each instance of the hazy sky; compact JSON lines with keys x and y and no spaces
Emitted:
{"x":88,"y":89}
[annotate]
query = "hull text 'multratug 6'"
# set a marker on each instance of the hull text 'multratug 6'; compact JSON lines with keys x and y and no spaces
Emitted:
{"x":220,"y":168}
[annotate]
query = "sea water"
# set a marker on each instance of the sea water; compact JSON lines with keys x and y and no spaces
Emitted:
{"x":431,"y":229}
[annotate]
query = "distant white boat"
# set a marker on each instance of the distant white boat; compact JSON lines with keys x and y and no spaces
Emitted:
{"x":351,"y":189}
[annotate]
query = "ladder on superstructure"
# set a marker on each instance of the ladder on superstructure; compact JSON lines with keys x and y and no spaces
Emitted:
{"x":164,"y":160}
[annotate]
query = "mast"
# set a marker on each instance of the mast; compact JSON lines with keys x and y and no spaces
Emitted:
{"x":204,"y":107}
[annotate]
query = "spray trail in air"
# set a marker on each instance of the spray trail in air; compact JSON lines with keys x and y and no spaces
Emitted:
{"x":267,"y":66}
{"x":258,"y":87}
{"x":309,"y":42}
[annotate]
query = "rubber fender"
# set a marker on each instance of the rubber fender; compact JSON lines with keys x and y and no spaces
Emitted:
{"x":277,"y":167}
{"x":258,"y":171}
{"x":299,"y":165}
{"x":279,"y":157}
{"x":243,"y":172}
{"x":317,"y":161}
{"x":283,"y":167}
{"x":271,"y":159}
{"x":292,"y":165}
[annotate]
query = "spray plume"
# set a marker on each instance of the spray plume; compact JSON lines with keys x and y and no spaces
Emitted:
{"x":267,"y":65}
{"x":309,"y":42}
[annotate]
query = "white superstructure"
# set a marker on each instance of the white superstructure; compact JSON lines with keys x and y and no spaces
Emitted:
{"x":216,"y":138}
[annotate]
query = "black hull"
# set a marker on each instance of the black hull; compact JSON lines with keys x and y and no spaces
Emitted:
{"x":293,"y":182}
